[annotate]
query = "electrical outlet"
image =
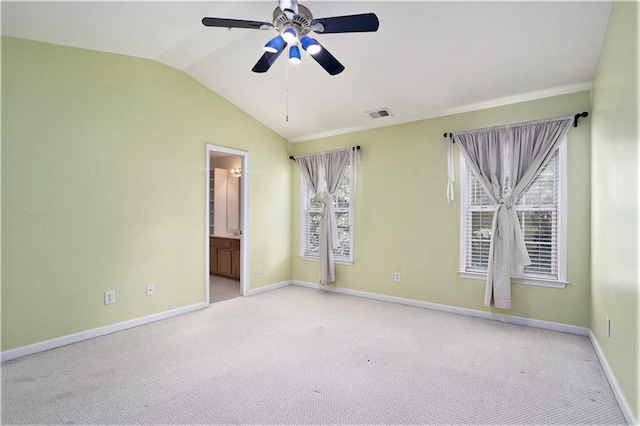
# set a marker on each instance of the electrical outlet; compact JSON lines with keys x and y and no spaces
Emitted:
{"x":151,"y":289}
{"x":109,"y":297}
{"x":396,"y":277}
{"x":608,"y":327}
{"x":259,"y":269}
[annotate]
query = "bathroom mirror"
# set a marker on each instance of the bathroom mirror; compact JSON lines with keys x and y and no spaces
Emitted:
{"x":233,"y":202}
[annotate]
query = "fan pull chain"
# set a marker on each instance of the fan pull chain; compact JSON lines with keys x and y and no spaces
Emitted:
{"x":287,"y":95}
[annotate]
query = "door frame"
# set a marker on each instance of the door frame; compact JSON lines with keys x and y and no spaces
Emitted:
{"x":244,"y":216}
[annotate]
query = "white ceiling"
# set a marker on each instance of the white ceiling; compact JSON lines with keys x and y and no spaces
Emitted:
{"x":427,"y":58}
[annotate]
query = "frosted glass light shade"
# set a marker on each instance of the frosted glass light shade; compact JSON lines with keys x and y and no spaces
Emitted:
{"x":290,"y":35}
{"x":310,"y":45}
{"x":274,"y":45}
{"x":294,"y":55}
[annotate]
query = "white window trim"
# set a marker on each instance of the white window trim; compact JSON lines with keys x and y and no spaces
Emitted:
{"x":301,"y":254}
{"x":317,"y":259}
{"x":561,"y":282}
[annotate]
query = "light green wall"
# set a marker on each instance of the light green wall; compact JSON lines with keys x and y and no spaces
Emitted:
{"x":103,"y":188}
{"x":403,"y":222}
{"x":615,"y":198}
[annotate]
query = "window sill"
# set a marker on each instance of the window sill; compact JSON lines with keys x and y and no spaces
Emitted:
{"x":525,"y":281}
{"x":317,"y":259}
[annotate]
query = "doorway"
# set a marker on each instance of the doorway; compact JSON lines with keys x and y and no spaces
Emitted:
{"x":227,"y":189}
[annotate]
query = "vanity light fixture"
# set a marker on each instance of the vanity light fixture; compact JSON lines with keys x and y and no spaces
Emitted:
{"x":237,"y":171}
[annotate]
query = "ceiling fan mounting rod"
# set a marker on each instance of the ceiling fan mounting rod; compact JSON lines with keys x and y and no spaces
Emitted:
{"x":289,"y":7}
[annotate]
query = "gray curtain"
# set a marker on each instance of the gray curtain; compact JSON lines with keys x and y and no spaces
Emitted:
{"x":505,"y":160}
{"x":323,"y":173}
{"x":312,"y":168}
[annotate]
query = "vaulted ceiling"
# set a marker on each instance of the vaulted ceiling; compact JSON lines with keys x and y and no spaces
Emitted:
{"x":427,"y":58}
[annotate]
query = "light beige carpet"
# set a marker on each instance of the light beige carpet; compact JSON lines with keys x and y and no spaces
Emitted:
{"x":302,"y":356}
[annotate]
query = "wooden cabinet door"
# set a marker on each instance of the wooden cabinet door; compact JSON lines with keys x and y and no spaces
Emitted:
{"x":213,"y":260}
{"x":224,"y":261}
{"x":224,"y":257}
{"x":235,"y":263}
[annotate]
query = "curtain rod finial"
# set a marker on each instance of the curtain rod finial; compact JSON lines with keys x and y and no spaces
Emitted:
{"x":583,"y":114}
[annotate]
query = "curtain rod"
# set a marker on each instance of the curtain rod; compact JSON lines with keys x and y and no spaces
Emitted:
{"x":291,"y":157}
{"x":583,"y":114}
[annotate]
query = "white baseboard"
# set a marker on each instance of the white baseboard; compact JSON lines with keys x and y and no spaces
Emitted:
{"x":254,"y":291}
{"x":96,"y":332}
{"x":615,"y":387}
{"x":548,"y":325}
{"x":101,"y":331}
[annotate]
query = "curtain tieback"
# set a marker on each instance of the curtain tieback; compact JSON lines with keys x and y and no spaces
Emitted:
{"x":514,"y":243}
{"x":327,"y":200}
{"x":507,"y":201}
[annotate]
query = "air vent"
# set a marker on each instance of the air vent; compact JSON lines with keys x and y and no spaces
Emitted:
{"x":379,"y":113}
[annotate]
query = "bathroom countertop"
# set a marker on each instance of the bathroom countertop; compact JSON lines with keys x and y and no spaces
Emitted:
{"x":230,"y":236}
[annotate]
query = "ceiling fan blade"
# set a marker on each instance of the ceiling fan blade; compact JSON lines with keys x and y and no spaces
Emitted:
{"x":236,"y":23}
{"x":365,"y":22}
{"x":328,"y":61}
{"x":266,"y":60}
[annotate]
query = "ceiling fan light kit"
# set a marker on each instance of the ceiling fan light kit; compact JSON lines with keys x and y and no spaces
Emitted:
{"x":310,"y":45}
{"x":290,"y":35}
{"x":294,"y":55}
{"x":293,"y":22}
{"x":275,"y":45}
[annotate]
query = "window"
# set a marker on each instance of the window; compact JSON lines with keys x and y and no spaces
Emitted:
{"x":542,"y":214}
{"x":311,"y":208}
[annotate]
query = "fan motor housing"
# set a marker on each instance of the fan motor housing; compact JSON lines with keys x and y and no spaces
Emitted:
{"x":300,"y":22}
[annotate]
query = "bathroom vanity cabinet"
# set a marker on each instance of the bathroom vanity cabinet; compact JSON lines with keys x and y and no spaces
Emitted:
{"x":224,"y":256}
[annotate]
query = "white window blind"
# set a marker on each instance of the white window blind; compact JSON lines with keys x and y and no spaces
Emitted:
{"x":310,"y":221}
{"x":539,"y":210}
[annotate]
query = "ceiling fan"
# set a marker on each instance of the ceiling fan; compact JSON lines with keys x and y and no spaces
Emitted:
{"x":293,"y":22}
